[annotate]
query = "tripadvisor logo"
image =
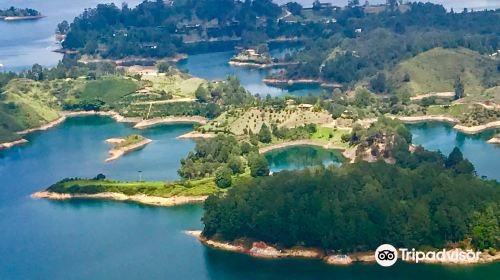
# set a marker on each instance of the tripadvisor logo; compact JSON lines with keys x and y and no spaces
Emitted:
{"x":386,"y":255}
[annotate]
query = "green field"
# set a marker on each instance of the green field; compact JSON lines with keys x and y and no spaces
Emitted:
{"x":179,"y":85}
{"x":437,"y":70}
{"x":26,"y":103}
{"x":200,"y":187}
{"x":109,"y":90}
{"x":130,"y":140}
{"x":330,"y":135}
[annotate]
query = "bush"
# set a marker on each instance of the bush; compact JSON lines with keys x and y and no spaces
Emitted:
{"x":223,"y":177}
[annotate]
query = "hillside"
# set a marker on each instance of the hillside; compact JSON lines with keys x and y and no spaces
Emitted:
{"x":436,"y":70}
{"x":25,"y":104}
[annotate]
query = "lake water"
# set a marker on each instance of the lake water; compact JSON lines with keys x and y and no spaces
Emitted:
{"x":439,"y":136}
{"x":300,"y":157}
{"x":214,"y":66}
{"x":43,"y":239}
{"x":27,"y":42}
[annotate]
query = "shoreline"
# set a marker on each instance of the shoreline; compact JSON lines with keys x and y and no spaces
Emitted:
{"x":259,"y":65}
{"x":139,"y":122}
{"x":494,"y":140}
{"x":170,"y":120}
{"x":196,"y":135}
{"x":67,"y":114}
{"x":259,"y":249}
{"x":115,"y":154}
{"x":19,"y":18}
{"x":298,"y":143}
{"x":292,"y":82}
{"x":8,"y":145}
{"x":113,"y":196}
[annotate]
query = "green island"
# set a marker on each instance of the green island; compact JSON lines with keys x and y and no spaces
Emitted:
{"x":256,"y":58}
{"x":380,"y":67}
{"x":126,"y":145}
{"x":13,"y":13}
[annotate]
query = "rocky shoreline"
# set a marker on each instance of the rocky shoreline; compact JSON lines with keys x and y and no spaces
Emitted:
{"x":15,"y":18}
{"x":295,"y":143}
{"x":116,"y":153}
{"x":494,"y":140}
{"x":139,"y":123}
{"x":196,"y":135}
{"x":260,"y":249}
{"x":138,"y":198}
{"x":292,"y":82}
{"x":170,"y":120}
{"x":8,"y":145}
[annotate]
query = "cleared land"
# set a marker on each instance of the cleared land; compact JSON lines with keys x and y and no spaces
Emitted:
{"x":237,"y":120}
{"x":200,"y":187}
{"x":437,"y":70}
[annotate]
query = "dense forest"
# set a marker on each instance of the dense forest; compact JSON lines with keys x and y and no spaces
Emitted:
{"x":360,"y":45}
{"x":17,"y":12}
{"x":425,"y":199}
{"x":163,"y":28}
{"x":344,"y":45}
{"x":359,"y":206}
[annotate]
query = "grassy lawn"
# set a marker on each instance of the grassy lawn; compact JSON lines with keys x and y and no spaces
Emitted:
{"x":109,"y":90}
{"x":181,"y":86}
{"x":330,"y":135}
{"x":452,"y":111}
{"x":199,"y":187}
{"x":436,"y":71}
{"x":27,"y":103}
{"x":130,"y":140}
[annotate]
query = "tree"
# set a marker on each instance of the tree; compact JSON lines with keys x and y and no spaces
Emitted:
{"x":265,"y":135}
{"x":201,"y":94}
{"x":63,"y":27}
{"x":258,"y":165}
{"x":458,"y":164}
{"x":362,"y":98}
{"x":485,"y":229}
{"x":316,"y":5}
{"x":100,"y":176}
{"x":163,"y":67}
{"x":235,"y":164}
{"x":378,"y":83}
{"x":294,"y":8}
{"x":459,"y":89}
{"x":454,"y":158}
{"x":352,"y":3}
{"x":223,"y":177}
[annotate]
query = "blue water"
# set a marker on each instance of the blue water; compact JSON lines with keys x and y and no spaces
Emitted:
{"x":299,"y":157}
{"x":442,"y":137}
{"x":215,"y":66}
{"x":42,"y":239}
{"x":81,"y":239}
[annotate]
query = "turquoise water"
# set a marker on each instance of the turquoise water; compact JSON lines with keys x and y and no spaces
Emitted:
{"x":41,"y":239}
{"x":215,"y":66}
{"x":300,"y":157}
{"x":439,"y":136}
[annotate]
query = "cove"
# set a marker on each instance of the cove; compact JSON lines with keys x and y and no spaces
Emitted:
{"x":215,"y":66}
{"x":85,"y":239}
{"x":442,"y":136}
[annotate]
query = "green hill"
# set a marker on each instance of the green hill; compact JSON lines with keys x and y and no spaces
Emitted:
{"x":25,"y":104}
{"x":436,"y":71}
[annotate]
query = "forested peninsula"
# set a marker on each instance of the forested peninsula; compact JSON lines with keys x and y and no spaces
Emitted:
{"x":380,"y":66}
